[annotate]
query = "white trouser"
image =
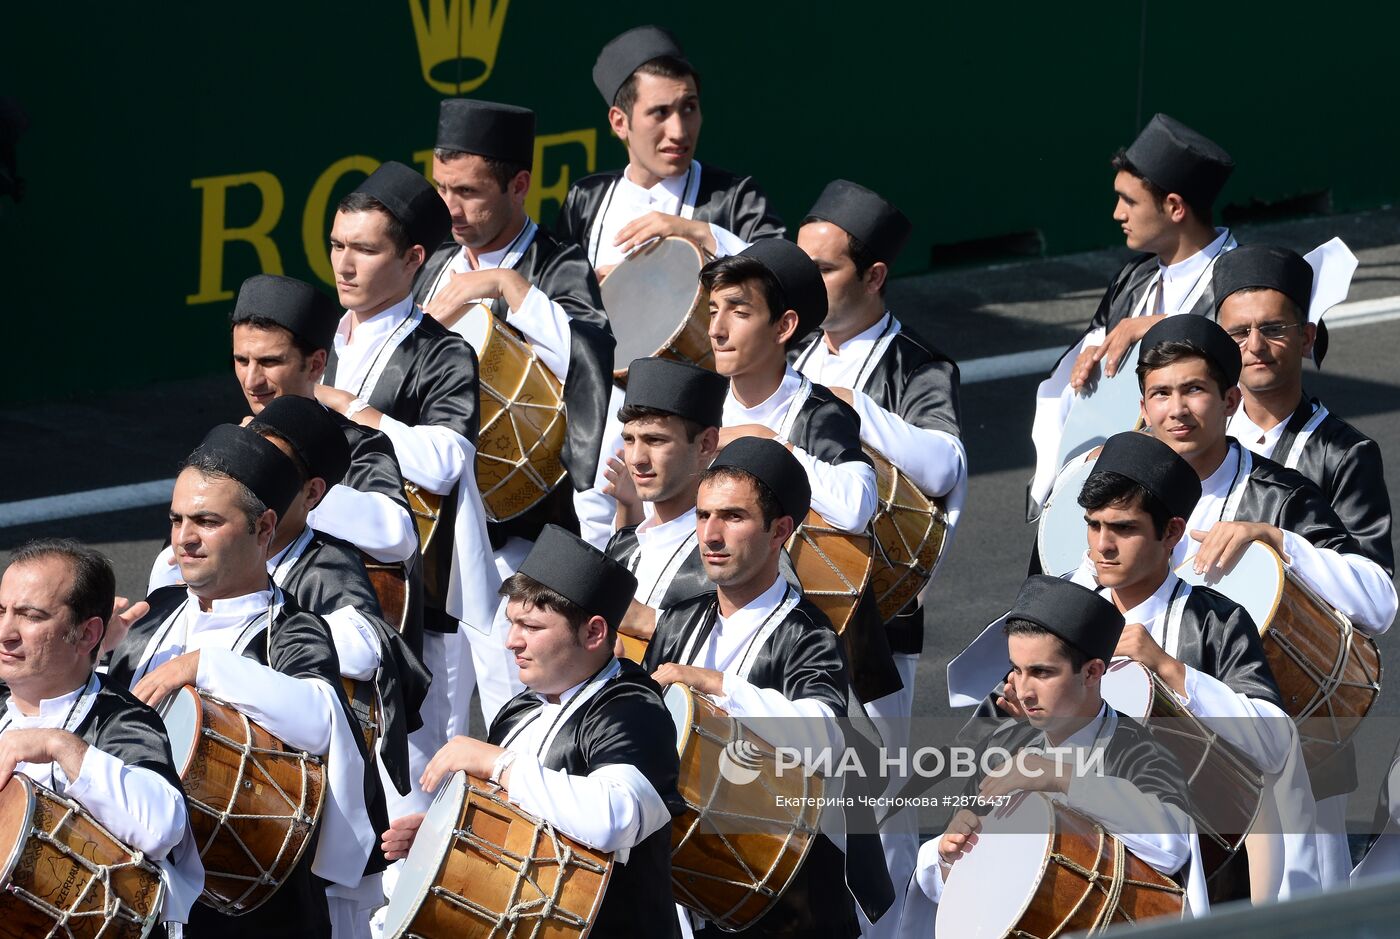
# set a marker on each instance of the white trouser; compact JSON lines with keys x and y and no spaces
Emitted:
{"x":899,"y":834}
{"x":351,"y":907}
{"x":1333,"y":851}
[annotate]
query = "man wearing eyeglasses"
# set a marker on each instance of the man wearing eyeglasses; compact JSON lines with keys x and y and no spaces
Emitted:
{"x":1262,"y":297}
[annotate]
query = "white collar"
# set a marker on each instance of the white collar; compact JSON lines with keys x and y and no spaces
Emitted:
{"x":380,"y":324}
{"x":666,"y":532}
{"x":1086,"y":735}
{"x":1150,"y":610}
{"x":1196,"y":263}
{"x":786,"y":389}
{"x":49,"y":708}
{"x":859,"y":343}
{"x":1218,"y":483}
{"x":612,"y":668}
{"x":276,"y":559}
{"x":1251,"y":435}
{"x":671,"y":188}
{"x":490,"y":260}
{"x":250,"y":604}
{"x":759,"y":608}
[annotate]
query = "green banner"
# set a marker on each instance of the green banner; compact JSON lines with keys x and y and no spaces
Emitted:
{"x":173,"y":150}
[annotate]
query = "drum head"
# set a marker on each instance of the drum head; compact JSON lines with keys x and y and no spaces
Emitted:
{"x":649,"y":295}
{"x":1114,"y":405}
{"x":420,"y":869}
{"x":1128,"y":689}
{"x":1062,"y":538}
{"x":991,"y":886}
{"x":1256,"y":583}
{"x":183,"y":722}
{"x":681,"y":706}
{"x":474,"y":326}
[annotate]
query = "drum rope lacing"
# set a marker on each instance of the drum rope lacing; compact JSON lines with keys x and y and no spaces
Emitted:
{"x":547,"y":907}
{"x":1110,"y":883}
{"x":99,"y":874}
{"x":299,"y":820}
{"x":757,"y":883}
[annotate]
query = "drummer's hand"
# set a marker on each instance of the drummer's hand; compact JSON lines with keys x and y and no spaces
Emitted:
{"x":477,"y":757}
{"x":122,"y":618}
{"x":1009,"y":703}
{"x":703,"y":680}
{"x":659,"y":225}
{"x":334,"y":398}
{"x":620,"y":484}
{"x":399,"y":838}
{"x":1122,"y":338}
{"x":41,"y":745}
{"x":728,"y":435}
{"x":1086,"y":368}
{"x":1222,"y":546}
{"x":639,"y":621}
{"x":602,"y":272}
{"x":162,"y":682}
{"x":1137,"y":644}
{"x":960,"y":836}
{"x":1028,"y":772}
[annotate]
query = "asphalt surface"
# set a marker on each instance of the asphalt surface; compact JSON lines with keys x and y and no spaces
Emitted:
{"x":972,"y":313}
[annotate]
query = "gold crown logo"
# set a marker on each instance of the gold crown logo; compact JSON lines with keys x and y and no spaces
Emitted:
{"x":457,"y":46}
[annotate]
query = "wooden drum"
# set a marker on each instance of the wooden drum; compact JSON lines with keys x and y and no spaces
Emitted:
{"x":1328,"y":672}
{"x":1224,"y":786}
{"x":253,"y":803}
{"x":833,"y":566}
{"x":737,"y":846}
{"x":522,"y":417}
{"x":657,"y":306}
{"x":480,"y":868}
{"x":66,"y":875}
{"x":910,"y":530}
{"x":1040,"y":870}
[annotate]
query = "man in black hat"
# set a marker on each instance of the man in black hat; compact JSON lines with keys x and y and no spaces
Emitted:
{"x":589,"y":747}
{"x":234,"y":634}
{"x":653,"y":96}
{"x":670,"y":431}
{"x":759,"y":649}
{"x":762,"y":301}
{"x":906,"y":393}
{"x":283,"y":333}
{"x":540,"y":285}
{"x":1188,"y":369}
{"x":404,"y":373}
{"x":1060,"y":637}
{"x":1166,"y":184}
{"x":327,"y":576}
{"x":1263,"y":302}
{"x":76,"y":732}
{"x":1204,"y":646}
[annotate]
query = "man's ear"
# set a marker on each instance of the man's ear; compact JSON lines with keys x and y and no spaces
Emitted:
{"x":1232,"y":401}
{"x":619,"y":123}
{"x":1174,"y":208}
{"x":90,"y":636}
{"x":709,"y":445}
{"x":316,"y":365}
{"x":876,"y":276}
{"x":1176,"y":529}
{"x":595,"y":634}
{"x":315,"y":491}
{"x":265,"y":528}
{"x":787,"y":325}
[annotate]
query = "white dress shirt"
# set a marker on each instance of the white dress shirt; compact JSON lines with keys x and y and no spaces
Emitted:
{"x":1183,"y":281}
{"x":844,"y":494}
{"x":371,"y":521}
{"x":432,"y":456}
{"x":304,"y":713}
{"x":661,"y":547}
{"x":933,"y":459}
{"x":613,"y":808}
{"x":628,"y":202}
